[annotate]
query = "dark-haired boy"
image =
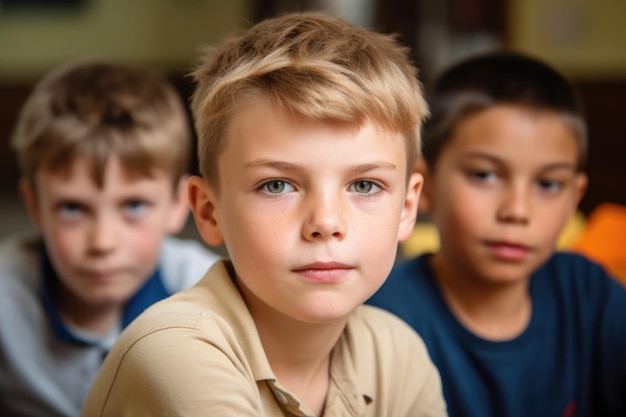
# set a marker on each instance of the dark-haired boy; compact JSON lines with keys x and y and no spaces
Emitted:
{"x":514,"y":328}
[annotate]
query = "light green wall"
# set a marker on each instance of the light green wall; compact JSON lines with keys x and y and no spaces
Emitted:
{"x":158,"y":33}
{"x":586,"y":38}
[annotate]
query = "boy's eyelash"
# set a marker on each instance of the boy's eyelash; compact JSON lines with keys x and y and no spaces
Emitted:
{"x":481,"y":173}
{"x":64,"y":205}
{"x":551,"y":183}
{"x":137,"y":202}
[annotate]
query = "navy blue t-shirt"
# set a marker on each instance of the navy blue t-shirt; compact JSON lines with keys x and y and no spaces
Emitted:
{"x":570,"y":361}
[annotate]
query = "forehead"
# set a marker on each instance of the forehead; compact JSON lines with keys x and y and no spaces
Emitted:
{"x":271,"y":133}
{"x":266,"y":122}
{"x":514,"y":133}
{"x":82,"y":172}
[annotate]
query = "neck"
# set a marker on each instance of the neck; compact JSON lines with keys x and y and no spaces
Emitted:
{"x":96,"y":320}
{"x":493,"y":311}
{"x":299,"y":353}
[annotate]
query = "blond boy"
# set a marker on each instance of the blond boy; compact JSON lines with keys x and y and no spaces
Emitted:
{"x":104,"y":151}
{"x":308,"y":132}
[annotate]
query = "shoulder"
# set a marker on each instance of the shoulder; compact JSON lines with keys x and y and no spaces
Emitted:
{"x":570,"y":281}
{"x":24,"y":327}
{"x":17,"y":249}
{"x":184,"y":262}
{"x":190,"y":318}
{"x":200,"y":334}
{"x":390,"y":335}
{"x":571,"y":262}
{"x":393,"y":364}
{"x":212,"y":312}
{"x":576,"y":273}
{"x":19,"y":261}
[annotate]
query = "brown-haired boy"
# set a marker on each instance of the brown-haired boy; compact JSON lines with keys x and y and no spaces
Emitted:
{"x":104,"y":151}
{"x":308,"y":133}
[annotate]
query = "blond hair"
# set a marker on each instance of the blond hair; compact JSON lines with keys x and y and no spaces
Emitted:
{"x":98,"y":109}
{"x":310,"y":64}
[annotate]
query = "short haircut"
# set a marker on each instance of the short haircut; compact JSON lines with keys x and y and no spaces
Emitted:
{"x":498,"y":78}
{"x":313,"y":65}
{"x":96,"y":110}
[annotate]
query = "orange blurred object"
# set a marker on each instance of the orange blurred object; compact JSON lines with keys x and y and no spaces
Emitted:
{"x":604,"y":239}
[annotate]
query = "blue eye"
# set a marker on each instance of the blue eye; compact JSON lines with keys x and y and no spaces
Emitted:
{"x":70,"y":210}
{"x":364,"y":187}
{"x":483,"y":176}
{"x":276,"y":187}
{"x":135,"y":208}
{"x":550,"y":186}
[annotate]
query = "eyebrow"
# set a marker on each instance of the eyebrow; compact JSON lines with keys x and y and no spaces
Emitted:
{"x":270,"y":163}
{"x":288,"y":166}
{"x":495,"y":159}
{"x":371,"y":166}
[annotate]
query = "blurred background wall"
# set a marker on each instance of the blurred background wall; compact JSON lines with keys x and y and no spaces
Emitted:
{"x":586,"y":39}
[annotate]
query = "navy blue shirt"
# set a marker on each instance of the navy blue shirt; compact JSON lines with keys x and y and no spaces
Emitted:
{"x":569,"y":361}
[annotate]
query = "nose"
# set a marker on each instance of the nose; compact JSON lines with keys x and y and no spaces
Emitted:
{"x":102,"y":234}
{"x":515,"y":204}
{"x":325,"y":218}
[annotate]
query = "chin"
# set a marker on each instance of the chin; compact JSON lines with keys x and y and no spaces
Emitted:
{"x":325,"y":313}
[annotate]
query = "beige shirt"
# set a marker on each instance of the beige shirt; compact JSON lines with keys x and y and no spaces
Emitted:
{"x":198,"y":353}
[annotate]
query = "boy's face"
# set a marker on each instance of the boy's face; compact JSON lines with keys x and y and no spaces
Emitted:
{"x":310,"y":212}
{"x":502,"y":190}
{"x":104,"y":242}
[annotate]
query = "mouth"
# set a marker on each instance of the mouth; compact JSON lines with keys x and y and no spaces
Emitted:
{"x":324,"y":272}
{"x":507,"y":251}
{"x":101,"y":274}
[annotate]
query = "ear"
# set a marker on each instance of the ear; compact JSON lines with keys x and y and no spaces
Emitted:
{"x":425,"y":204}
{"x":180,"y":208}
{"x":29,"y":199}
{"x":580,"y":188}
{"x":409,"y":210}
{"x":202,"y":201}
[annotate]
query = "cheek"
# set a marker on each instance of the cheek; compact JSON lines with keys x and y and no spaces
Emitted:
{"x":377,"y":243}
{"x":452,"y":217}
{"x":251,"y":211}
{"x":552,"y":222}
{"x":254,"y":235}
{"x":381,"y":256}
{"x":462,"y":220}
{"x":64,"y":248}
{"x":145,"y":243}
